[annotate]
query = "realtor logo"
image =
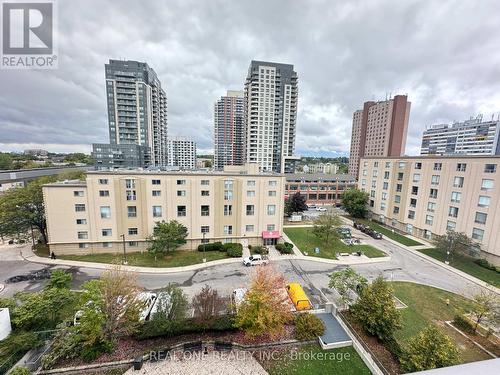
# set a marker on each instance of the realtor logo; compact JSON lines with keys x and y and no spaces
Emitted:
{"x":28,"y":35}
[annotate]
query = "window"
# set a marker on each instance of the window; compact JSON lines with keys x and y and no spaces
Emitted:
{"x":375,"y":164}
{"x":157,"y":211}
{"x":228,"y":184}
{"x":400,"y":176}
{"x":387,"y":164}
{"x":106,"y":232}
{"x":205,"y":193}
{"x":107,"y":244}
{"x":156,"y":193}
{"x":228,"y":195}
{"x":103,"y":181}
{"x":451,"y":225}
{"x":374,"y":173}
{"x":484,"y":201}
{"x":181,"y":193}
{"x":486,"y":184}
{"x":104,"y":193}
{"x":81,"y":221}
{"x":384,"y":196}
{"x":228,"y":210}
{"x":250,"y":183}
{"x":79,"y":208}
{"x":480,"y":218}
{"x":131,"y":196}
{"x":365,"y":172}
{"x":490,"y":168}
{"x":156,"y":182}
{"x":456,"y":196}
{"x":429,"y":219}
{"x":271,"y":209}
{"x":181,"y":211}
{"x":416,"y":177}
{"x":270,"y":227}
{"x":250,"y":193}
{"x":438,"y":166}
{"x":132,"y":211}
{"x":374,"y":184}
{"x":273,"y":183}
{"x":433,"y":193}
{"x":397,"y":199}
{"x":250,"y":210}
{"x":396,"y":210}
{"x":382,"y":206}
{"x":105,"y":212}
{"x":414,"y":190}
{"x":386,"y":175}
{"x":385,"y":186}
{"x":461,"y":167}
{"x":181,"y":182}
{"x":411,"y":214}
{"x":431,"y":206}
{"x":205,"y":182}
{"x":132,"y":231}
{"x":83,"y":245}
{"x":249,"y":228}
{"x":453,"y":211}
{"x":78,"y":193}
{"x":401,"y":164}
{"x":271,"y":193}
{"x":228,"y":229}
{"x":458,"y":182}
{"x":130,"y":184}
{"x":205,"y":229}
{"x":435,"y":179}
{"x":205,"y":210}
{"x":399,"y":188}
{"x":477,"y":234}
{"x":418,"y":165}
{"x":363,"y":182}
{"x":413,"y":202}
{"x":83,"y":235}
{"x":133,"y":243}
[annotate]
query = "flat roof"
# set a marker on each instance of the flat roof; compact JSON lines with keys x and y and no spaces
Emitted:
{"x":487,"y":367}
{"x":318,"y":176}
{"x":186,"y":173}
{"x":454,"y":156}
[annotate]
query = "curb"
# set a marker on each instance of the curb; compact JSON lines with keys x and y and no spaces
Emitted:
{"x":2,"y":287}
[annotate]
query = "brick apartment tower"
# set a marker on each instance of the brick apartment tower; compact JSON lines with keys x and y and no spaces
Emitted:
{"x":379,"y":129}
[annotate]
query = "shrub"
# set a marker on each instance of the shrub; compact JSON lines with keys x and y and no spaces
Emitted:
{"x":285,"y":248}
{"x":485,"y":264}
{"x":213,"y":246}
{"x":260,"y":250}
{"x":463,"y":324}
{"x":20,"y":371}
{"x":308,"y":327}
{"x":233,"y":249}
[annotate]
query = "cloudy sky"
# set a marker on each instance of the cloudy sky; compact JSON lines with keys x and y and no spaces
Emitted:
{"x":444,"y":54}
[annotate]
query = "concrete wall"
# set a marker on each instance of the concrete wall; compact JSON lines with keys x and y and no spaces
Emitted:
{"x":5,"y":327}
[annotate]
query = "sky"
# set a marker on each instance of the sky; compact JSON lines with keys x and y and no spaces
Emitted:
{"x":443,"y":54}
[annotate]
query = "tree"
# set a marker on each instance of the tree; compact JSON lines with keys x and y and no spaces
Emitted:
{"x":428,"y":350}
{"x":60,"y":279}
{"x":207,"y":305}
{"x":375,"y":310}
{"x":454,"y":243}
{"x":298,"y":202}
{"x":5,"y":161}
{"x":325,"y":226}
{"x":308,"y":327}
{"x":346,"y":280}
{"x":354,"y":202}
{"x":288,"y":207}
{"x":166,"y":237}
{"x":173,"y":303}
{"x":485,"y":306}
{"x":264,"y":308}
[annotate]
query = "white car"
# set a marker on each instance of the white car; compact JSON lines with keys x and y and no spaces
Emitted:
{"x":255,"y":260}
{"x":321,"y":209}
{"x":162,"y":303}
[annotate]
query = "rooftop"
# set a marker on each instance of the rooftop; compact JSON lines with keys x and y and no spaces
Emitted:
{"x":318,"y":176}
{"x":420,"y":157}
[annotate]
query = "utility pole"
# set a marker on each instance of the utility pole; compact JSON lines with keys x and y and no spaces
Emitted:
{"x":124,"y":250}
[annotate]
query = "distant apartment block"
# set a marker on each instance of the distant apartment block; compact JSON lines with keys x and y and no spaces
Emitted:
{"x":229,"y":132}
{"x":379,"y":129}
{"x":137,"y":115}
{"x":113,"y":156}
{"x":470,"y":137}
{"x":236,"y":205}
{"x":182,"y":153}
{"x":270,"y":114}
{"x":36,"y":152}
{"x":325,"y":168}
{"x":428,"y":195}
{"x":319,"y":189}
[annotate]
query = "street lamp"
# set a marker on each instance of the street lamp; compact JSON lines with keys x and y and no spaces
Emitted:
{"x":124,"y":250}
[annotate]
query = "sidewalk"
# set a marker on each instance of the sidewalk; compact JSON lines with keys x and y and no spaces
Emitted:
{"x":426,"y":245}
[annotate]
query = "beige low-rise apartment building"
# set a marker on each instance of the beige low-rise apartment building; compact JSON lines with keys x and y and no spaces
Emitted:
{"x":428,"y":195}
{"x":113,"y":208}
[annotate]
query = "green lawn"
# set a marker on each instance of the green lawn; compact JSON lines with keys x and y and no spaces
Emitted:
{"x":428,"y":305}
{"x":388,"y":233}
{"x":177,"y":258}
{"x":306,"y":241}
{"x":332,"y":361}
{"x":466,"y":265}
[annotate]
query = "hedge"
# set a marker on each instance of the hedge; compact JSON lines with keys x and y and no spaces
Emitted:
{"x":213,"y":246}
{"x":260,"y":250}
{"x":485,"y":264}
{"x":233,"y":249}
{"x":308,"y":327}
{"x":285,"y":248}
{"x":463,"y":324}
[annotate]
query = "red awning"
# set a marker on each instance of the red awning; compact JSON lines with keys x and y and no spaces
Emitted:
{"x":271,"y":234}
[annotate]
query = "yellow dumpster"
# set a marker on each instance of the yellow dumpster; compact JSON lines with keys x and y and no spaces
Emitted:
{"x":298,"y":297}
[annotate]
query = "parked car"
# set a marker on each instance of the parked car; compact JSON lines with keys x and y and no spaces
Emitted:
{"x":344,"y":232}
{"x":255,"y":260}
{"x":321,"y":209}
{"x":311,"y":207}
{"x":376,"y":235}
{"x":356,"y":224}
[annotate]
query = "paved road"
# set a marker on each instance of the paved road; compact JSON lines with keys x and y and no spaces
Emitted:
{"x":404,"y":266}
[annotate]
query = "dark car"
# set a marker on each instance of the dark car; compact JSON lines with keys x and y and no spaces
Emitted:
{"x":356,"y":224}
{"x":374,"y":234}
